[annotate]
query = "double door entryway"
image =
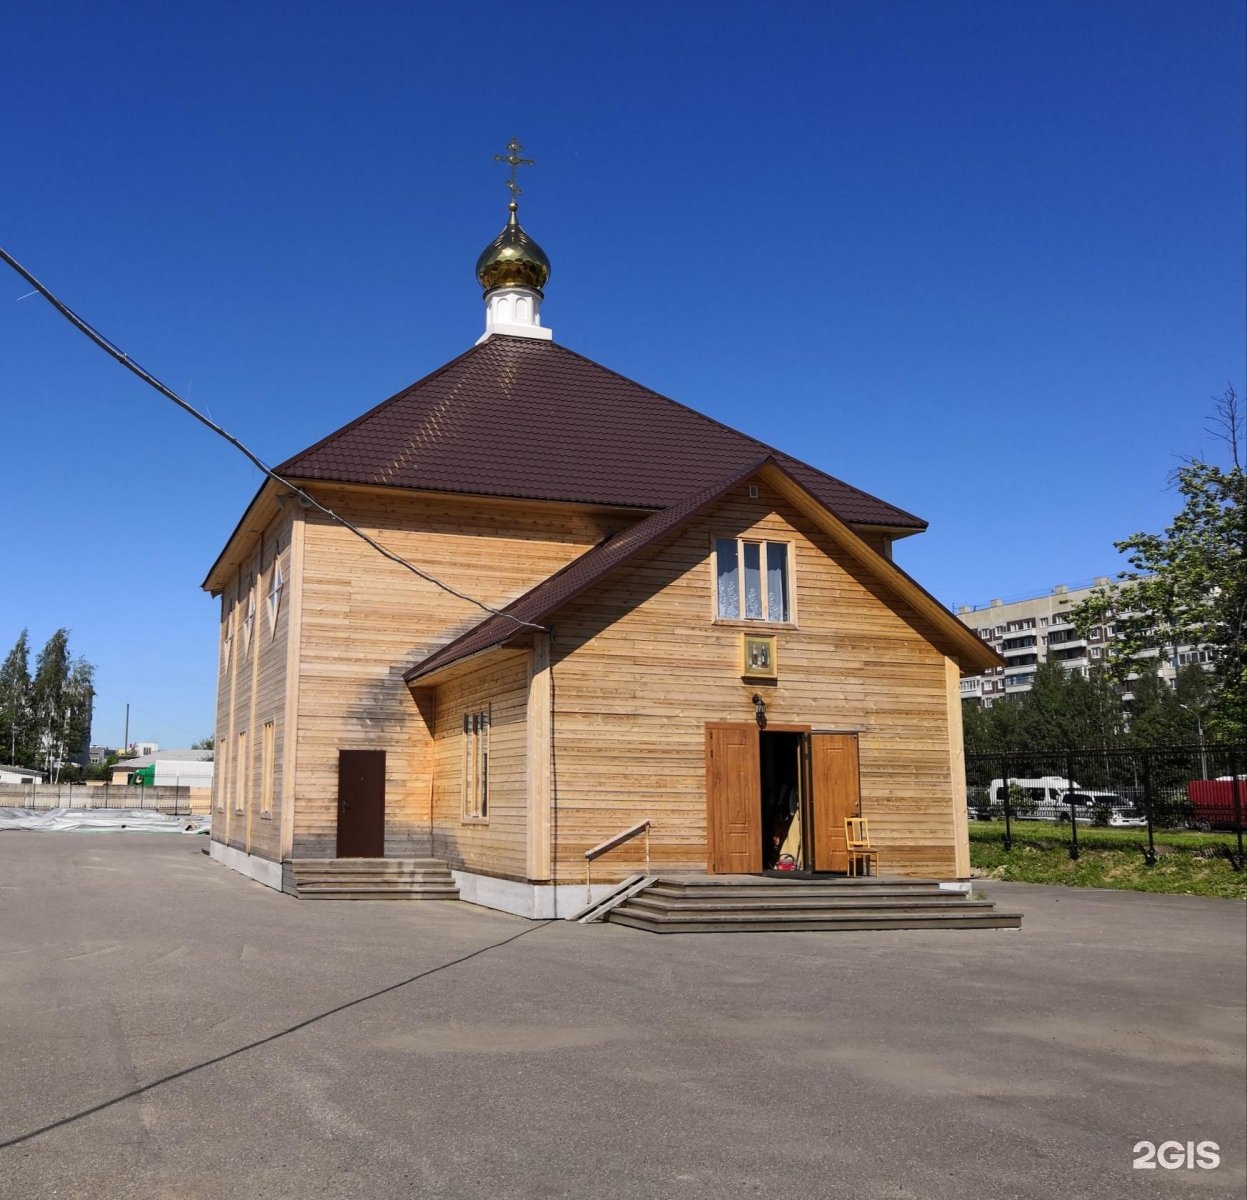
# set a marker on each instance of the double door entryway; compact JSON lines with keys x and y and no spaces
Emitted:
{"x":778,"y":796}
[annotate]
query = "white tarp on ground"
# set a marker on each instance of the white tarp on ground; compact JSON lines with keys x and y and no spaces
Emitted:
{"x":96,"y":820}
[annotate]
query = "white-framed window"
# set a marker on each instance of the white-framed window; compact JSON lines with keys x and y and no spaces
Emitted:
{"x":240,"y":772}
{"x":752,"y":580}
{"x":268,"y":767}
{"x":476,"y":765}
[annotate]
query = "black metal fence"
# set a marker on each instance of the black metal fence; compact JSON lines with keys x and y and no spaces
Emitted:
{"x":1149,"y":791}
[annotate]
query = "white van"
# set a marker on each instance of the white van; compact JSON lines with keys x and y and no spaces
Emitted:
{"x":1046,"y":796}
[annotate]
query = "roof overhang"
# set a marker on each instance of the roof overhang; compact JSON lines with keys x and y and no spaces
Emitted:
{"x":894,"y":532}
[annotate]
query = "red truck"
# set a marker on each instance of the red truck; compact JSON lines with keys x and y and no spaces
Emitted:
{"x":1212,"y":802}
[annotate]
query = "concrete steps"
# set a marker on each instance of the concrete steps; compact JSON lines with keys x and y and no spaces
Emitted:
{"x":370,"y":879}
{"x":768,"y":905}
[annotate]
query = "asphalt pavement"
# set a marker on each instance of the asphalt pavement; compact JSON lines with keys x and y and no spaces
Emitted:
{"x":171,"y":1030}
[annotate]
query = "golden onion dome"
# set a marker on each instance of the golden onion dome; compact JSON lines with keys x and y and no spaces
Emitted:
{"x":513,"y":259}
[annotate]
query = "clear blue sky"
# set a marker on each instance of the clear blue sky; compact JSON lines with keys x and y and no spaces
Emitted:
{"x":985,"y":260}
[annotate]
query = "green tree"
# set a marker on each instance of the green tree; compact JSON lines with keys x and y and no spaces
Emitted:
{"x":16,"y":716}
{"x":48,"y":696}
{"x":976,"y":730}
{"x":80,"y":705}
{"x":1069,"y":710}
{"x":997,"y":729}
{"x":1156,"y":718}
{"x":61,"y":700}
{"x":1170,"y":716}
{"x":1062,"y":711}
{"x":207,"y":743}
{"x":1187,"y":586}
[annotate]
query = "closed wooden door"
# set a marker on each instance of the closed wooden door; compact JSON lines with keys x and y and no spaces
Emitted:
{"x":733,"y":800}
{"x":835,"y":794}
{"x":361,"y":803}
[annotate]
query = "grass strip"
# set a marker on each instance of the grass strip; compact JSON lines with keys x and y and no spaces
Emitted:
{"x":1187,"y":863}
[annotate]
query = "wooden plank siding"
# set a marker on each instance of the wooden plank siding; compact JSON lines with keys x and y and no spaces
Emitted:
{"x":498,"y":844}
{"x":366,"y":620}
{"x":252,"y":691}
{"x":612,"y":731}
{"x":640,"y":665}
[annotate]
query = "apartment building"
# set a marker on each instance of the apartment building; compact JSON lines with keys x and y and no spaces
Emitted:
{"x":1038,"y":629}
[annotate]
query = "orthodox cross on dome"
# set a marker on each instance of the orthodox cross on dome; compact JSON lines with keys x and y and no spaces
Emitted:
{"x":512,"y":156}
{"x":513,"y":269}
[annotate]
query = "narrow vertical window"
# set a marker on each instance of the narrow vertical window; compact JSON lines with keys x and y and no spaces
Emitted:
{"x":776,"y":581}
{"x":476,"y":765}
{"x":753,"y":581}
{"x":727,"y":577}
{"x":240,"y":771}
{"x":467,"y":764}
{"x":276,"y":587}
{"x":268,"y":767}
{"x":221,"y":776}
{"x":249,"y":621}
{"x":227,"y":629}
{"x":482,"y":753}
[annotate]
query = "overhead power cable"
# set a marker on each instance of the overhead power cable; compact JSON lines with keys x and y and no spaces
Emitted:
{"x":310,"y":501}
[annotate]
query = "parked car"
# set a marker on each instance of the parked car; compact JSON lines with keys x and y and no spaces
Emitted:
{"x":1101,"y":808}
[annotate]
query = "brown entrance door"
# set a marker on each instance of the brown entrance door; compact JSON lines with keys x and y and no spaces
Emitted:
{"x":361,"y":803}
{"x":835,"y":794}
{"x":733,"y":799}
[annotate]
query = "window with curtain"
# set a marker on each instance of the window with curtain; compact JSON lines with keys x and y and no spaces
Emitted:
{"x":751,"y":580}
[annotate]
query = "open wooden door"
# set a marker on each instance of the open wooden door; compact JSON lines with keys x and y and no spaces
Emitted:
{"x":835,"y":794}
{"x":361,"y":803}
{"x":733,"y":800}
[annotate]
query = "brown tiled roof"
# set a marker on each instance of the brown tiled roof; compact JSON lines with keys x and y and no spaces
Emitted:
{"x":526,"y":418}
{"x":536,"y":605}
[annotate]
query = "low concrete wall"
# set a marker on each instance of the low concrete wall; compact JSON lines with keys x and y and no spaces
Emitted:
{"x":105,"y":795}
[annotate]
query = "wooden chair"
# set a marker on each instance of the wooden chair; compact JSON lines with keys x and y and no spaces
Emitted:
{"x":857,"y":835}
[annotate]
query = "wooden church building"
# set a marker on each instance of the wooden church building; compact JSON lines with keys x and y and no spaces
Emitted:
{"x":647,"y":617}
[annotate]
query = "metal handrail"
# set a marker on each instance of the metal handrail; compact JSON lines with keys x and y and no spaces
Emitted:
{"x":610,"y":844}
